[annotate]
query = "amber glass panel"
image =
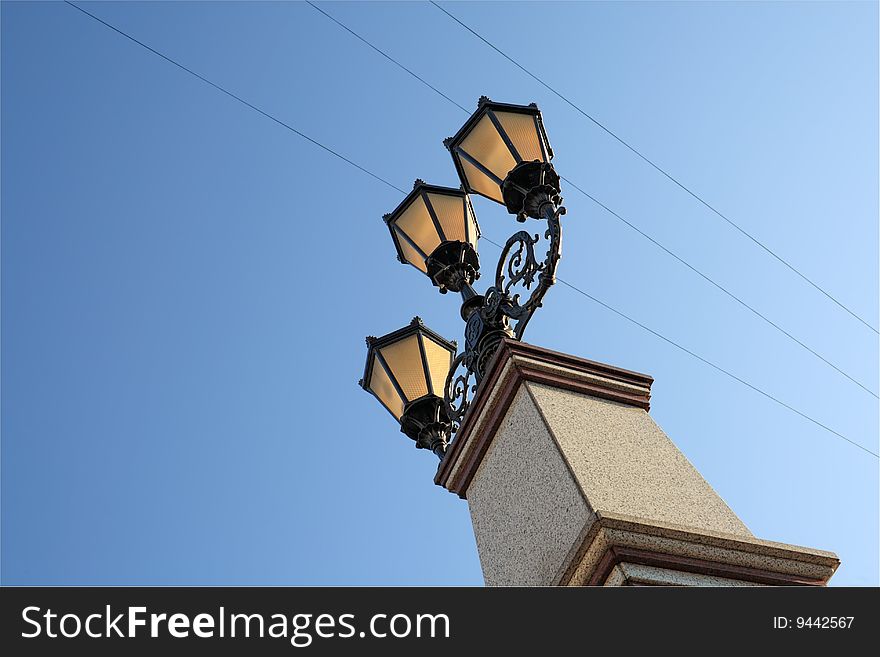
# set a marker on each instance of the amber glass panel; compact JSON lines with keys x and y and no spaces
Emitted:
{"x":416,"y":222}
{"x":523,"y":132}
{"x":382,"y":387}
{"x":450,"y":214}
{"x":480,"y":182}
{"x":486,"y":146}
{"x":404,"y":359}
{"x":439,"y":360}
{"x":412,"y":256}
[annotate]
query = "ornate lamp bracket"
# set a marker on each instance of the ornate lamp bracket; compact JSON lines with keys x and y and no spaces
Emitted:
{"x":530,"y":190}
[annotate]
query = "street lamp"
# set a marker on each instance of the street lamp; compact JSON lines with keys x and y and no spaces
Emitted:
{"x":435,"y":230}
{"x":406,"y":371}
{"x":501,"y":152}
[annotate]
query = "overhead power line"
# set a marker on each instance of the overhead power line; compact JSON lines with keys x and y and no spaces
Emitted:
{"x":702,"y":360}
{"x":723,"y":289}
{"x":395,"y":187}
{"x":717,"y":367}
{"x":629,"y":224}
{"x":657,"y":167}
{"x":385,"y":55}
{"x":230,"y":94}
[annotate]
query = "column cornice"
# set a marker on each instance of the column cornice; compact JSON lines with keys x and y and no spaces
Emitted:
{"x":516,"y":362}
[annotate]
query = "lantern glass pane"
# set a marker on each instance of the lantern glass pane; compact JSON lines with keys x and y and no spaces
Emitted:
{"x":416,"y":222}
{"x":404,"y":359}
{"x":480,"y":182}
{"x":522,"y":130}
{"x":485,"y":145}
{"x":382,"y":387}
{"x":412,"y":256}
{"x":439,"y":361}
{"x":450,"y":213}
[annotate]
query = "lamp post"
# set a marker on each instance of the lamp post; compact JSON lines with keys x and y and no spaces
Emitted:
{"x":502,"y":153}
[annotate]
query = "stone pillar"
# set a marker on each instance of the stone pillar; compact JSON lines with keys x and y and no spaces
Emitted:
{"x":570,"y":482}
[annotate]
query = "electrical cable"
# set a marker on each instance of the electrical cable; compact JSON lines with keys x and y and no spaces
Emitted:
{"x":657,"y":167}
{"x":602,"y":205}
{"x":389,"y":184}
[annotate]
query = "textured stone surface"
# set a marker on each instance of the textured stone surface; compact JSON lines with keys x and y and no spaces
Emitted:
{"x":625,"y":464}
{"x":740,"y":551}
{"x":616,"y":577}
{"x":628,"y":574}
{"x":525,"y":507}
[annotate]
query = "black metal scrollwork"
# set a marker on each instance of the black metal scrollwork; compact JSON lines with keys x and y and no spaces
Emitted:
{"x":489,"y":318}
{"x":523,"y":268}
{"x":459,"y":390}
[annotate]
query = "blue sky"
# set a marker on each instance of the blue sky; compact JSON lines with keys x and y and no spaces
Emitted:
{"x":187,"y":285}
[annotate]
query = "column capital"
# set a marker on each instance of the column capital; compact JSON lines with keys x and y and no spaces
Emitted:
{"x":516,"y":362}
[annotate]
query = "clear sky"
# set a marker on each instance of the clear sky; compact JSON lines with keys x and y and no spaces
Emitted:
{"x":186,"y":285}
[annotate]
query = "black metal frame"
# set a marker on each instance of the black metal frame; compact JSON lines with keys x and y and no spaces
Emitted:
{"x":423,"y":419}
{"x":453,"y":262}
{"x":488,"y":107}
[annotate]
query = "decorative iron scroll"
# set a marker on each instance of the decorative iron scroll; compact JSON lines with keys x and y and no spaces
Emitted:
{"x":459,"y":390}
{"x":519,"y":272}
{"x":519,"y":267}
